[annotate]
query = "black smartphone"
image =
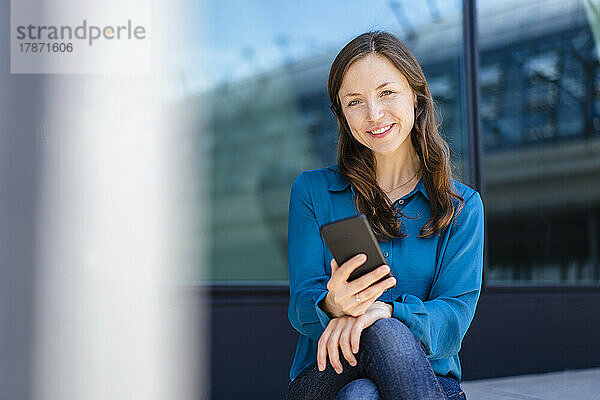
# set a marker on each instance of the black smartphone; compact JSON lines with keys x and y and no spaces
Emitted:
{"x":348,"y":237}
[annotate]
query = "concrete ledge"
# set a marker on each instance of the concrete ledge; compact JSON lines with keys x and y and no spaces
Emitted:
{"x":577,"y":385}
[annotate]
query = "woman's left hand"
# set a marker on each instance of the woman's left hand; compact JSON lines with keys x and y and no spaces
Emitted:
{"x":344,"y":332}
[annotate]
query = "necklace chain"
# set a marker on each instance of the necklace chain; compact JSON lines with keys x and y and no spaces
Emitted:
{"x":402,"y":184}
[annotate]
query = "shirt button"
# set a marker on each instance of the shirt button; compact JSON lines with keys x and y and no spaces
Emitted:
{"x":386,"y":254}
{"x":400,"y":201}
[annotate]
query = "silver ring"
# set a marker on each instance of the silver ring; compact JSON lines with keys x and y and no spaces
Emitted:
{"x":357,"y":298}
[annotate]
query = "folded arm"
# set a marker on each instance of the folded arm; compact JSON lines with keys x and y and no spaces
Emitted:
{"x":307,"y":275}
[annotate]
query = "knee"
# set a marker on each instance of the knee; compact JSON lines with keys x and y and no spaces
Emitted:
{"x":359,"y":389}
{"x":390,"y":336}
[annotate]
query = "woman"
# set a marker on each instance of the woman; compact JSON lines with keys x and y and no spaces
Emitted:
{"x":399,"y":339}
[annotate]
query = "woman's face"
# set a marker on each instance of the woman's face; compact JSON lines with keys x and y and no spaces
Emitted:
{"x":378,"y":103}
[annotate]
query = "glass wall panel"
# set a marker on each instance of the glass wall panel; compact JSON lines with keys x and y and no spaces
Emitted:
{"x":540,"y":92}
{"x":269,"y":119}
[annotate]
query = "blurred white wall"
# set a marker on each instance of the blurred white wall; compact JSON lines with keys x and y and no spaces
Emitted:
{"x":109,"y":203}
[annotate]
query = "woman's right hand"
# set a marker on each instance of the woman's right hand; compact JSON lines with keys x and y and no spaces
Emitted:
{"x":341,"y":297}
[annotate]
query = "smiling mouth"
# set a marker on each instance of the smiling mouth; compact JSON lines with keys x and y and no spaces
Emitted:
{"x":381,"y":131}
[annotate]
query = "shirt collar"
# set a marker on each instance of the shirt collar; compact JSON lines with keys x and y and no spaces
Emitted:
{"x":337,"y":183}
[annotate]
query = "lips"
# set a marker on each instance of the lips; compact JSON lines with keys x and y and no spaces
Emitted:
{"x":381,"y":130}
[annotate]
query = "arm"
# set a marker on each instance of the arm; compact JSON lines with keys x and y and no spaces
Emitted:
{"x":441,"y":322}
{"x":307,"y":275}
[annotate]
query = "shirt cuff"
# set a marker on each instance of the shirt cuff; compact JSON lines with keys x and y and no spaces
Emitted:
{"x":323,"y":317}
{"x":400,"y":312}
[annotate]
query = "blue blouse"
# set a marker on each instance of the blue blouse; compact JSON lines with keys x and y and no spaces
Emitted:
{"x":438,"y":278}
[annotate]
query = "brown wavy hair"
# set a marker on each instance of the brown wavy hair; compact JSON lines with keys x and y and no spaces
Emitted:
{"x":357,"y":162}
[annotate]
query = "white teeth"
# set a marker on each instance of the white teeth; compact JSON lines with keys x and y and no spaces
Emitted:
{"x":378,"y":131}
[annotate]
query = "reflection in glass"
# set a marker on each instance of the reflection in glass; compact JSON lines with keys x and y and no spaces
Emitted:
{"x":540,"y":117}
{"x":270,"y":116}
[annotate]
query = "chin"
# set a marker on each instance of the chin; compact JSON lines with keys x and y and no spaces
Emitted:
{"x":384,"y":150}
{"x":390,"y":147}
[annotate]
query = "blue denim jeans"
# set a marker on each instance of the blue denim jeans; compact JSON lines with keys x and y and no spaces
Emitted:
{"x":391,"y":364}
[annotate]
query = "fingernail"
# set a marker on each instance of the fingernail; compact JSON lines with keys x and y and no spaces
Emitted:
{"x":320,"y":367}
{"x":386,"y":268}
{"x":362,"y":257}
{"x":353,"y":363}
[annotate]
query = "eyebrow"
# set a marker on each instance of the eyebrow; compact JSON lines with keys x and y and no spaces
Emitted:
{"x":378,"y":87}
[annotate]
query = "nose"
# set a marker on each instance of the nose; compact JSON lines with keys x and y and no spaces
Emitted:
{"x":374,"y":111}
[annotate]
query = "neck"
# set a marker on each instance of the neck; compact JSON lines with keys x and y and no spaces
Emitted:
{"x":397,"y":168}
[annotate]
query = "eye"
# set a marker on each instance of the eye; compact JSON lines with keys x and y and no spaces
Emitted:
{"x":352,"y":103}
{"x":386,"y":92}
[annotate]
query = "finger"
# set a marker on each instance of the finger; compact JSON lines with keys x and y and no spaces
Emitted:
{"x":367,"y":280}
{"x":350,"y":265}
{"x":362,"y":323}
{"x":334,"y":266}
{"x":322,"y":345}
{"x":355,"y":334}
{"x":345,"y":342}
{"x":368,"y":297}
{"x":377,"y":290}
{"x":333,"y":346}
{"x":371,"y":294}
{"x":364,"y":305}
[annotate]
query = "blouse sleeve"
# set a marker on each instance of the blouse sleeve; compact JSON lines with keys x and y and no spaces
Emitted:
{"x":307,"y":275}
{"x":441,"y":322}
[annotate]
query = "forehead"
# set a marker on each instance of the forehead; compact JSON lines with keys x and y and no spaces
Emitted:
{"x":369,"y":72}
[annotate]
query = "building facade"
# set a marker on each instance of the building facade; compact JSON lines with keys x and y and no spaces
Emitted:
{"x":517,"y":89}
